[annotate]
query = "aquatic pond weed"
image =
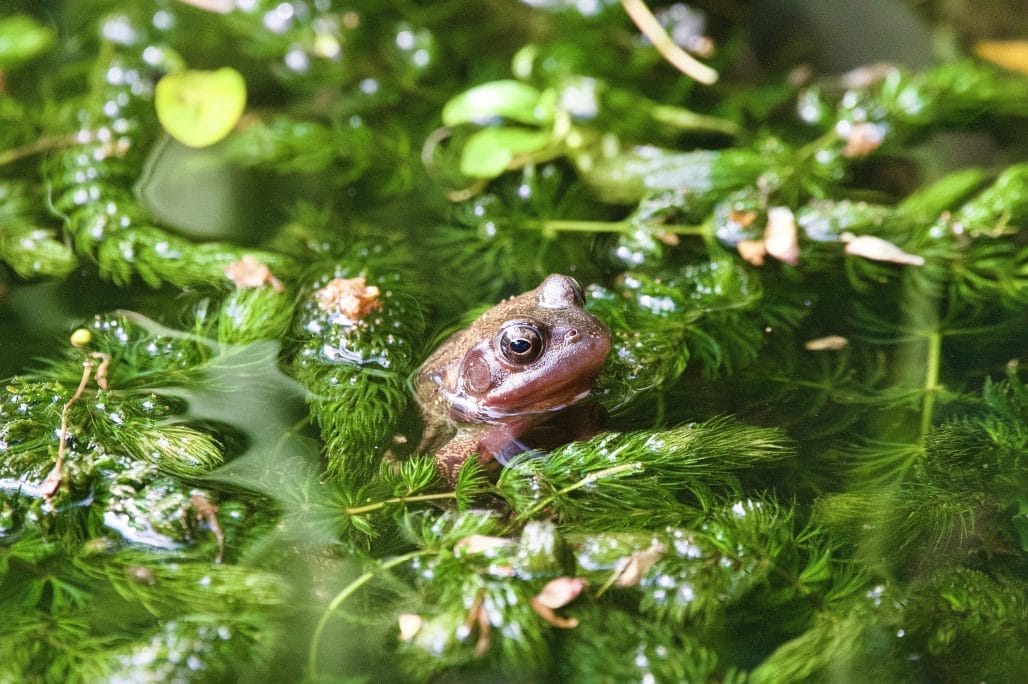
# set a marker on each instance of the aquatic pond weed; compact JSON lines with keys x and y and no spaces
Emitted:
{"x":813,"y":463}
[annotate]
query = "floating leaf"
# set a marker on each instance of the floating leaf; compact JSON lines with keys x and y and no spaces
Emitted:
{"x":21,"y":39}
{"x":199,"y":108}
{"x":490,"y":151}
{"x":499,"y":99}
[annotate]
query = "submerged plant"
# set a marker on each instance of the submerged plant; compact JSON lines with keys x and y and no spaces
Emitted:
{"x":813,"y":463}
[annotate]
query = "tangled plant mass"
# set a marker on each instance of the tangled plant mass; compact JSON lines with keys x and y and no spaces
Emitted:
{"x":231,"y":234}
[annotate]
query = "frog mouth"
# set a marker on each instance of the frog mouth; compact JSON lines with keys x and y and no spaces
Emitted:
{"x":537,"y":404}
{"x":556,"y":398}
{"x":576,"y":372}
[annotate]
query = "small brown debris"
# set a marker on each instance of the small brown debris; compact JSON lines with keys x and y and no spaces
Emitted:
{"x":752,"y":251}
{"x":207,"y":511}
{"x":410,"y":625}
{"x":780,"y":240}
{"x":480,"y":543}
{"x":561,"y":591}
{"x":478,"y":616}
{"x":703,"y":46}
{"x":668,"y":238}
{"x":550,"y":617}
{"x":862,"y":139}
{"x":250,"y":273}
{"x":743,"y":219}
{"x":351,"y":297}
{"x":829,"y":343}
{"x":877,"y":249}
{"x":800,"y":75}
{"x":52,"y":482}
{"x":501,"y":570}
{"x":632,"y":569}
{"x":866,"y":76}
{"x":100,"y":376}
{"x":140,"y":574}
{"x":556,"y":594}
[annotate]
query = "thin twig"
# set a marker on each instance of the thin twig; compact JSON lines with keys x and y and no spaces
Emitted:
{"x":101,"y":371}
{"x":367,"y":508}
{"x":44,"y":144}
{"x":53,"y":480}
{"x":206,"y":510}
{"x":666,"y":46}
{"x":570,"y":226}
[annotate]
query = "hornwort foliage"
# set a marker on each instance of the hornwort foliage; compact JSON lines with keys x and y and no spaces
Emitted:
{"x":813,"y":466}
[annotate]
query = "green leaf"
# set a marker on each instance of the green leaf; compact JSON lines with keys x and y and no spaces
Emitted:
{"x":490,"y":151}
{"x":21,"y":39}
{"x":507,"y":99}
{"x":199,"y":108}
{"x":934,"y":198}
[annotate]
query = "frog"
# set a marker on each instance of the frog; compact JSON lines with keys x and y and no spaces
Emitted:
{"x":523,"y":362}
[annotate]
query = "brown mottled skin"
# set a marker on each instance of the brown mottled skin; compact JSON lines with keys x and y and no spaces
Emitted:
{"x":520,"y":363}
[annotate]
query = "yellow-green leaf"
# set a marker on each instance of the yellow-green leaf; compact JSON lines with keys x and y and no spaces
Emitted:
{"x":21,"y":39}
{"x":199,"y":108}
{"x":490,"y":151}
{"x":499,"y":99}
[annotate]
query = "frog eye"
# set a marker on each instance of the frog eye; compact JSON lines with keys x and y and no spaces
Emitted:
{"x":521,"y":343}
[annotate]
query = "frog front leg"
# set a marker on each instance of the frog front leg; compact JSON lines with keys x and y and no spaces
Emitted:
{"x":454,"y":453}
{"x":494,"y":443}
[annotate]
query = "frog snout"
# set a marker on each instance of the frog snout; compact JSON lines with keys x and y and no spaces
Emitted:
{"x":586,"y":343}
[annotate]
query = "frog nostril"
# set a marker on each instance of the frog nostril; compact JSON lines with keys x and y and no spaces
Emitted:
{"x":571,"y":335}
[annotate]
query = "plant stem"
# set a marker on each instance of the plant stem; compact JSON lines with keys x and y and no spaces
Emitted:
{"x":48,"y":142}
{"x":610,"y":227}
{"x":613,"y":471}
{"x":53,"y":481}
{"x":367,"y":508}
{"x":691,"y":121}
{"x":348,"y":590}
{"x":931,"y":383}
{"x":651,"y":28}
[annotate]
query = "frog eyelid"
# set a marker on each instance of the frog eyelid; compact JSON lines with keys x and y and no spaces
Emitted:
{"x":524,"y":322}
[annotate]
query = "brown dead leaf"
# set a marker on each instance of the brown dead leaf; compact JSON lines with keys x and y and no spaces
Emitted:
{"x":877,"y":249}
{"x":250,"y":273}
{"x":752,"y":251}
{"x":828,"y":343}
{"x":780,"y":240}
{"x":351,"y":297}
